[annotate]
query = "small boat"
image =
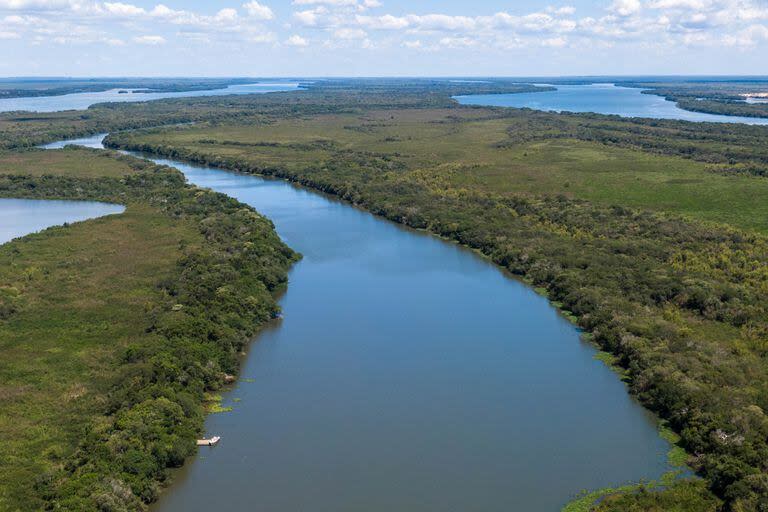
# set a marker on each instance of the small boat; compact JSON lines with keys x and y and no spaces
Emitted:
{"x":208,"y":442}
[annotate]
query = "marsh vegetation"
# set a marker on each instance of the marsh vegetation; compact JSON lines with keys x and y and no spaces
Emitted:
{"x":113,"y":329}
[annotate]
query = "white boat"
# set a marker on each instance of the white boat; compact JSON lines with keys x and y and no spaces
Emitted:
{"x":208,"y":442}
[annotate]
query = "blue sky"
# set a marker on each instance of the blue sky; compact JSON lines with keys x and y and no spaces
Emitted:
{"x":382,"y":37}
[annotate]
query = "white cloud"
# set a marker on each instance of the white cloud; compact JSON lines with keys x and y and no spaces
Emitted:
{"x":15,"y":19}
{"x":349,"y":33}
{"x":335,"y":3}
{"x":150,"y":40}
{"x":226,"y":16}
{"x":345,"y":24}
{"x":555,"y":42}
{"x":296,"y":40}
{"x":121,"y":9}
{"x":267,"y":37}
{"x":33,"y":5}
{"x":457,"y":42}
{"x":625,"y":7}
{"x":679,"y":4}
{"x":639,"y":22}
{"x":442,"y":22}
{"x":566,"y":10}
{"x":258,"y":11}
{"x":307,"y":18}
{"x":747,"y":37}
{"x":386,"y":22}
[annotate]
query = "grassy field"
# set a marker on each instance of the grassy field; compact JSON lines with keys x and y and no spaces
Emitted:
{"x":93,"y":341}
{"x":74,"y":163}
{"x":82,"y":293}
{"x":475,"y":155}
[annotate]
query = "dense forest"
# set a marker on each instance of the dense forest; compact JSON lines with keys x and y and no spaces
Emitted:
{"x":125,"y":399}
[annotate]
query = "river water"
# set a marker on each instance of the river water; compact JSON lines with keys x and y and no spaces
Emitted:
{"x":20,"y":217}
{"x":602,"y":99}
{"x":83,"y":100}
{"x":407,"y":374}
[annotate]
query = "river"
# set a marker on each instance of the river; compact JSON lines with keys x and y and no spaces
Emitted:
{"x":83,"y":100}
{"x":408,"y":373}
{"x":602,"y":99}
{"x":20,"y":217}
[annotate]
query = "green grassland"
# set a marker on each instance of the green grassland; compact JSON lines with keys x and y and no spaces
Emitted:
{"x":109,"y":333}
{"x":81,"y":293}
{"x":476,"y":155}
{"x":649,"y":235}
{"x":73,"y":163}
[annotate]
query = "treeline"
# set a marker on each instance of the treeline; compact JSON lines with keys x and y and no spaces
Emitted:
{"x":726,"y":108}
{"x":221,"y":293}
{"x":739,"y":148}
{"x":681,"y":304}
{"x":23,"y":88}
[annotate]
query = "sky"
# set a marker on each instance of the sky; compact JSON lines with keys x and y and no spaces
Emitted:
{"x":271,"y":38}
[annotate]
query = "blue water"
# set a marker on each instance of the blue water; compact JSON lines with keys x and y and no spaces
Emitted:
{"x":602,"y":99}
{"x":20,"y":217}
{"x":80,"y":101}
{"x":92,"y":141}
{"x":407,"y":374}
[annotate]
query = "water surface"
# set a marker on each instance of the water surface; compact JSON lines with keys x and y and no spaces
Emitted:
{"x":92,"y":141}
{"x":20,"y":217}
{"x":83,"y":100}
{"x":602,"y":99}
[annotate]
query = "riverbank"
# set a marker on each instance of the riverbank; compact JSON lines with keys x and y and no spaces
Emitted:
{"x":642,"y":283}
{"x":112,"y":329}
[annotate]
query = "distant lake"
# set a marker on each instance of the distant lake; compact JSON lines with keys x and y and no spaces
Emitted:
{"x":83,"y":100}
{"x":602,"y":99}
{"x":20,"y":217}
